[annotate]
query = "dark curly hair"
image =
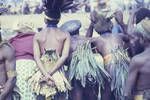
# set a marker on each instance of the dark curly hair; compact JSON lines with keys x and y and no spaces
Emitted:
{"x":141,"y":14}
{"x":53,"y":9}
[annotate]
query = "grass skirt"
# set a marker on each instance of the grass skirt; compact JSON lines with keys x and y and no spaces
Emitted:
{"x":86,"y":67}
{"x":49,"y":59}
{"x":117,"y":66}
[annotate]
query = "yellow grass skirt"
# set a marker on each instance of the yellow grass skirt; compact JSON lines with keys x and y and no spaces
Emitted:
{"x":61,"y":83}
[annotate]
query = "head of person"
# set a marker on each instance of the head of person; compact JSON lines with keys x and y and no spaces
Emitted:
{"x":52,"y":17}
{"x":72,"y":27}
{"x":22,"y":27}
{"x":141,"y":14}
{"x":102,"y":4}
{"x":101,"y":24}
{"x":142,"y":31}
{"x":52,"y":11}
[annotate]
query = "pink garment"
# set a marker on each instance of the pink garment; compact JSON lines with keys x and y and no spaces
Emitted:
{"x":23,"y":44}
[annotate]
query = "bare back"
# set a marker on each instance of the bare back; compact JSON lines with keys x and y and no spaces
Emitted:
{"x":139,"y":72}
{"x":106,"y":43}
{"x":144,"y":71}
{"x":52,"y":39}
{"x":77,"y":40}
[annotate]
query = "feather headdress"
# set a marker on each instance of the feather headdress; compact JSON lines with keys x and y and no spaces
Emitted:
{"x":53,"y":8}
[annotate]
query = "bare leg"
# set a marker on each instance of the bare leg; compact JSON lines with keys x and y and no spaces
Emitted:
{"x":9,"y":97}
{"x":91,"y":92}
{"x":106,"y":93}
{"x":77,"y":91}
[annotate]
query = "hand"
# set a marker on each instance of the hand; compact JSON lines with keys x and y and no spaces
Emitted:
{"x":48,"y":79}
{"x":50,"y":83}
{"x":119,"y":17}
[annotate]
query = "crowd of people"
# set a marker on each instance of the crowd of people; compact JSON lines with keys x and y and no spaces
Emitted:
{"x":36,"y":7}
{"x":57,"y":63}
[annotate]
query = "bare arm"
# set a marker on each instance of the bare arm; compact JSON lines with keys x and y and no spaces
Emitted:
{"x":131,"y":23}
{"x":37,"y":54}
{"x":119,"y":19}
{"x":65,"y":54}
{"x":133,"y":72}
{"x":10,"y":65}
{"x":89,"y":32}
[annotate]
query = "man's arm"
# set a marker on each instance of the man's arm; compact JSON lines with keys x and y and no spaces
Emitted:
{"x":132,"y":77}
{"x":89,"y":32}
{"x":10,"y":64}
{"x":119,"y":19}
{"x":65,"y":54}
{"x":37,"y":54}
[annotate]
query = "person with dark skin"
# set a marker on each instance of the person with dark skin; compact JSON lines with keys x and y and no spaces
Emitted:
{"x":25,"y":64}
{"x":135,"y":17}
{"x":107,"y":45}
{"x":131,"y":42}
{"x":138,"y":81}
{"x":51,"y":48}
{"x":7,"y":73}
{"x":83,"y":88}
{"x":78,"y":92}
{"x":45,"y":41}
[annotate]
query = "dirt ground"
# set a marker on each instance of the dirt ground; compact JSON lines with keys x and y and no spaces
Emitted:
{"x":38,"y":20}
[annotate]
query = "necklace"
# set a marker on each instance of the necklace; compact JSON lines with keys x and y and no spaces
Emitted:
{"x":50,"y":25}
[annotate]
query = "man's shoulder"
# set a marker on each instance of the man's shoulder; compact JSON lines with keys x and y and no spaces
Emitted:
{"x":63,"y":34}
{"x":7,"y":49}
{"x":98,"y":39}
{"x":138,"y":60}
{"x":38,"y":35}
{"x":5,"y":44}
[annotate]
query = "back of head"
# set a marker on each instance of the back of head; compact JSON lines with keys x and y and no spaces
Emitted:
{"x":21,"y":26}
{"x":143,"y":29}
{"x":52,"y":17}
{"x":102,"y":24}
{"x":53,"y":9}
{"x":141,"y":14}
